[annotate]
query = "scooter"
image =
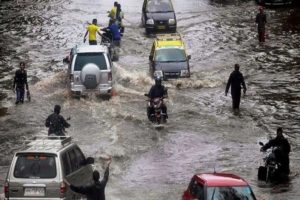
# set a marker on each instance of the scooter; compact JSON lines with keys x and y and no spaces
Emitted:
{"x":271,"y":171}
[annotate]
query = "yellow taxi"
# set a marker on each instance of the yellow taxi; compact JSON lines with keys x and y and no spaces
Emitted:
{"x":168,"y":57}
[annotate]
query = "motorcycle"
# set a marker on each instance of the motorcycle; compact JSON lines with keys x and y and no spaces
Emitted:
{"x":157,"y":116}
{"x":271,"y":171}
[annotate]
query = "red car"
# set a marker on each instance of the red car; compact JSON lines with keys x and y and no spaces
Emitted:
{"x":218,"y":186}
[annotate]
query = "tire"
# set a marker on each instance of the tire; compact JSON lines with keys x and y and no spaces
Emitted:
{"x":262,"y":173}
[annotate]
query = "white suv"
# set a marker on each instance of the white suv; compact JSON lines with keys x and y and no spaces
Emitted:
{"x":90,"y":70}
{"x":39,"y":171}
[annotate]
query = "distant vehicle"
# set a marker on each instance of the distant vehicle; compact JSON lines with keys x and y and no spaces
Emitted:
{"x":213,"y":186}
{"x":158,"y":16}
{"x":90,"y":70}
{"x":168,"y":57}
{"x":274,"y":2}
{"x":39,"y":171}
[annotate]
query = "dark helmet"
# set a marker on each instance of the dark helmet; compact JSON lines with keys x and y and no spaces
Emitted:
{"x":57,"y":109}
{"x":157,"y":80}
{"x":96,"y":175}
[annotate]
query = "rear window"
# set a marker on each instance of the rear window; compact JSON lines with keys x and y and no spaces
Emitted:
{"x":35,"y":166}
{"x":85,"y":58}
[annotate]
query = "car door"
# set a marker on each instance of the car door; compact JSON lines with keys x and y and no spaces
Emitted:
{"x":67,"y":170}
{"x":151,"y":59}
{"x":77,"y":173}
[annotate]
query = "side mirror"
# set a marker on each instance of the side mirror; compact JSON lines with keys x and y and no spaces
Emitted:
{"x":189,"y":57}
{"x":261,"y":144}
{"x":89,"y":160}
{"x":146,"y":95}
{"x":150,"y":57}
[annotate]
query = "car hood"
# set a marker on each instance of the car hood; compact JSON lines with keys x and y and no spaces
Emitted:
{"x":161,"y":16}
{"x":171,"y":66}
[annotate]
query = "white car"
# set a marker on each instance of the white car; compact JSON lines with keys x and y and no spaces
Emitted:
{"x":90,"y":70}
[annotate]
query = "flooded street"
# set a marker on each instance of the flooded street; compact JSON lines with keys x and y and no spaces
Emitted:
{"x":202,"y":132}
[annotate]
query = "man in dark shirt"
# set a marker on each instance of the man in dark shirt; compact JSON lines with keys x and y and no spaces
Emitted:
{"x":282,"y":156}
{"x":95,"y":191}
{"x":56,"y":123}
{"x":261,"y":20}
{"x":20,"y":82}
{"x":235,"y":81}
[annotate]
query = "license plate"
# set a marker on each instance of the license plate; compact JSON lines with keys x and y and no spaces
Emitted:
{"x":161,"y":27}
{"x":36,"y":192}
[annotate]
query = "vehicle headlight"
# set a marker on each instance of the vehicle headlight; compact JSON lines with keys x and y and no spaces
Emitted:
{"x":184,"y":72}
{"x":150,"y":22}
{"x":172,"y":21}
{"x":158,"y":73}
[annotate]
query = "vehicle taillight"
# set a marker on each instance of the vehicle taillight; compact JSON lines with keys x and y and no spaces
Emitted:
{"x":71,"y":77}
{"x":109,"y":76}
{"x":63,"y":188}
{"x":6,"y":189}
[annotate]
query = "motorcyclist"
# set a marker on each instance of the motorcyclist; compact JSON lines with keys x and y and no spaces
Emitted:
{"x":112,"y":31}
{"x":282,"y":154}
{"x":56,"y":123}
{"x":157,"y":91}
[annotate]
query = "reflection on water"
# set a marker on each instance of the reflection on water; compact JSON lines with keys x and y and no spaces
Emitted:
{"x":202,"y":132}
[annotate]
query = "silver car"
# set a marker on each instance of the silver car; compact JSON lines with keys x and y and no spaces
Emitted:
{"x":90,"y":70}
{"x":39,"y":171}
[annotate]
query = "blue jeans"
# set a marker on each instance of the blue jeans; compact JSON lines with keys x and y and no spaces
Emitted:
{"x":20,"y":94}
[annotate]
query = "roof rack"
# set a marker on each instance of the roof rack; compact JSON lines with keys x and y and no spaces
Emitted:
{"x":170,"y":37}
{"x":42,"y":142}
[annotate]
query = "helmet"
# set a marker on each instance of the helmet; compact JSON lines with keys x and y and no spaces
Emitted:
{"x":157,"y":80}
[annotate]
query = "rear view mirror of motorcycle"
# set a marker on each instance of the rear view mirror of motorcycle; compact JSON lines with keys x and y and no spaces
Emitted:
{"x":261,"y":144}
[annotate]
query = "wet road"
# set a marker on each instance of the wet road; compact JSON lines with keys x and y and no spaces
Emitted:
{"x":202,"y":133}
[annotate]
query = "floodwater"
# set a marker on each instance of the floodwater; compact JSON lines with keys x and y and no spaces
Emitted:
{"x":202,"y":133}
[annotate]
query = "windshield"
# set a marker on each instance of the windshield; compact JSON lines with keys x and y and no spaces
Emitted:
{"x":85,"y":58}
{"x":230,"y":193}
{"x":35,"y":166}
{"x":159,"y":6}
{"x":170,"y":55}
